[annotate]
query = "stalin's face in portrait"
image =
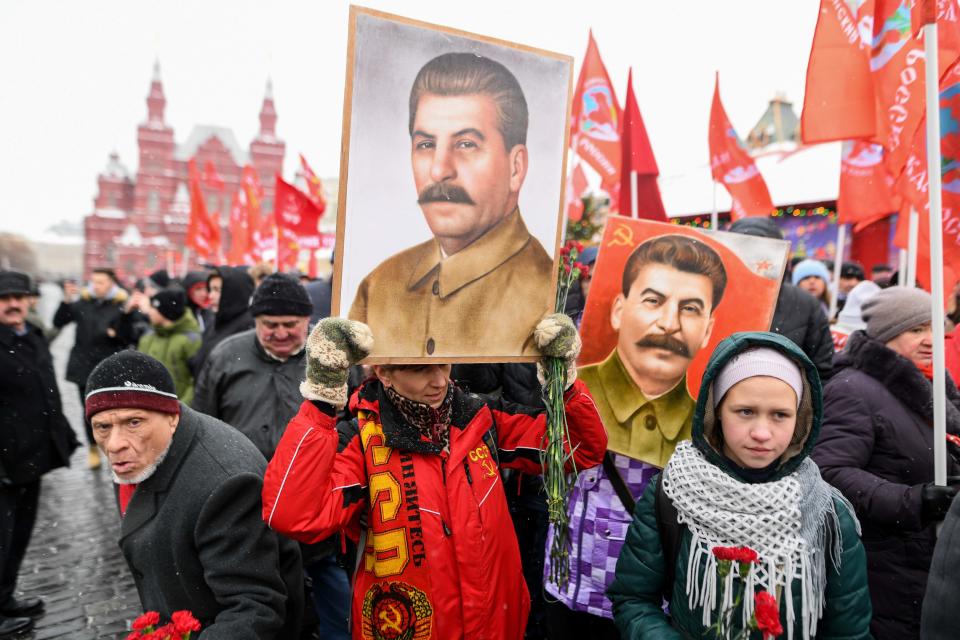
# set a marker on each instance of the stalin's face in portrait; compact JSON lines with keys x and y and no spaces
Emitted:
{"x":468,"y":122}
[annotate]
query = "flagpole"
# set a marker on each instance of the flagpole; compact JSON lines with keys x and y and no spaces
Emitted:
{"x":936,"y":242}
{"x":714,"y":216}
{"x":633,"y":195}
{"x":913,"y":233}
{"x":902,"y":266}
{"x":837,"y":267}
{"x":186,"y":260}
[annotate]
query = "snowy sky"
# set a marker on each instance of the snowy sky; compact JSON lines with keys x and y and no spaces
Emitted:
{"x":74,"y":75}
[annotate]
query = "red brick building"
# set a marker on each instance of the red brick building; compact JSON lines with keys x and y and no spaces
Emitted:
{"x":139,"y":222}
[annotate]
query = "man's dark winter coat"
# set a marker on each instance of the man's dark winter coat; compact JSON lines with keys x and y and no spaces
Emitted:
{"x":35,"y":437}
{"x":942,"y":602}
{"x":321,"y":294}
{"x":251,"y":391}
{"x":94,"y":317}
{"x":798,"y":316}
{"x":876,"y":446}
{"x":194,"y":539}
{"x":233,"y":313}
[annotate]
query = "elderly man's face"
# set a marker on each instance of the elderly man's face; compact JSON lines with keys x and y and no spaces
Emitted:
{"x":467,"y":180}
{"x":133,"y":440}
{"x":662,"y":323}
{"x":13,"y":310}
{"x":282,"y":336}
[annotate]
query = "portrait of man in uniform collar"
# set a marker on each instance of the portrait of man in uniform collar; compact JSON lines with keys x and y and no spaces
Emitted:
{"x":468,"y":133}
{"x":663,"y":316}
{"x":481,"y":175}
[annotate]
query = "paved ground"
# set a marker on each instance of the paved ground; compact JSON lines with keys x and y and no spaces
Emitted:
{"x":74,"y":562}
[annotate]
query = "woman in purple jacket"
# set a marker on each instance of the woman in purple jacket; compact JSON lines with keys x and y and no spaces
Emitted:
{"x":876,"y":446}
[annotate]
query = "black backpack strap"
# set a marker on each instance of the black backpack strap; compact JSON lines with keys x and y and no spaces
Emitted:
{"x":671,"y":534}
{"x":619,"y":486}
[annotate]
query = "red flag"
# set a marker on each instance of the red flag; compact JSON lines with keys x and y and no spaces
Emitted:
{"x":897,"y":62}
{"x":203,"y":233}
{"x":240,"y":231}
{"x":253,"y":195}
{"x":576,"y":185}
{"x":839,"y":102}
{"x":211,"y":178}
{"x":914,"y":185}
{"x":866,"y":188}
{"x":595,"y":134}
{"x":733,"y":166}
{"x":314,"y":186}
{"x":298,"y":219}
{"x":637,"y":157}
{"x":294,"y":210}
{"x":948,"y":27}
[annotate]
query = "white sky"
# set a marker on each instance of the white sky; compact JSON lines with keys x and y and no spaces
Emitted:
{"x":74,"y":75}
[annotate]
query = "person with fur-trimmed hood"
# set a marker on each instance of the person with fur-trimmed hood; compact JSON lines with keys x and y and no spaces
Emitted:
{"x":416,"y":472}
{"x":745,"y":479}
{"x":877,"y":448}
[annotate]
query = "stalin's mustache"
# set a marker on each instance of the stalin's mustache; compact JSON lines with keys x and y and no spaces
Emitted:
{"x":444,"y":192}
{"x":664,"y":342}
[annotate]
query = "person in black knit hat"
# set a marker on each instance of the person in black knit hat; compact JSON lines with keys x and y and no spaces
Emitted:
{"x":251,"y":381}
{"x":173,"y":338}
{"x":188,"y":490}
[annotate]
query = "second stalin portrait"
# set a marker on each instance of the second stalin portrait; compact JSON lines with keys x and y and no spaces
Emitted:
{"x":482,"y":283}
{"x":664,"y":315}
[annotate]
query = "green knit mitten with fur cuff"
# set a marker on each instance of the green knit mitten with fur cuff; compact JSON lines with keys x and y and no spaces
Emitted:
{"x":334,"y":345}
{"x":557,"y":337}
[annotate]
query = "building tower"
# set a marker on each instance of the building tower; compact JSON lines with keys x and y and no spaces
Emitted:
{"x":266,"y":150}
{"x":156,"y":183}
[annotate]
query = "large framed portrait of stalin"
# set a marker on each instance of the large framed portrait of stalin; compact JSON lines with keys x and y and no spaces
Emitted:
{"x":451,"y":190}
{"x":661,"y":298}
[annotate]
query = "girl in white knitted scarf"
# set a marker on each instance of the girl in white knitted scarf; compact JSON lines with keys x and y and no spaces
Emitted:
{"x":745,"y":480}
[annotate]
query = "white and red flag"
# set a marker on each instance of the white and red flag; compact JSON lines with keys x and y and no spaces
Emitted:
{"x":732,"y":166}
{"x":595,"y":120}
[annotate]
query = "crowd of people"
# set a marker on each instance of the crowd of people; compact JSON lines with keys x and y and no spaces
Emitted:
{"x":276,"y":487}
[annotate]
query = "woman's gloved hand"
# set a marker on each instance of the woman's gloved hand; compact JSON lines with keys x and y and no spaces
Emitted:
{"x":557,"y":337}
{"x":334,"y":345}
{"x":935,"y":500}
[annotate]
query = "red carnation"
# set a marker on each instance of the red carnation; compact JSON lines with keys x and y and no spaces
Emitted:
{"x":767,"y":614}
{"x":566,"y":268}
{"x":565,"y":251}
{"x":584,"y":271}
{"x":735,"y":554}
{"x":184,"y":622}
{"x":149,"y":619}
{"x":723,"y":553}
{"x":744,"y":554}
{"x":579,"y":246}
{"x":134,"y":635}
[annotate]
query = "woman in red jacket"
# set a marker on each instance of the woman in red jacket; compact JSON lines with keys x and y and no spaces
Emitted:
{"x":414,"y":477}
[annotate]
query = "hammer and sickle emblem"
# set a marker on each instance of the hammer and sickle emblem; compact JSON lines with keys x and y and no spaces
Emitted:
{"x":622,"y":237}
{"x":391,"y":624}
{"x":489,"y":467}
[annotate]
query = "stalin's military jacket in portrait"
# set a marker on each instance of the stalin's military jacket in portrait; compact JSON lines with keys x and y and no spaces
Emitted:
{"x":484,"y":300}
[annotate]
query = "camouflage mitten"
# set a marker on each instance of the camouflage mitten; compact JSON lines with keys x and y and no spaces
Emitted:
{"x":557,"y":337}
{"x":333,"y":346}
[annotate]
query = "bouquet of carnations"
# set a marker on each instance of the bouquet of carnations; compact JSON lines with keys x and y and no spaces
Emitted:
{"x":557,"y":455}
{"x":182,"y":624}
{"x":766,"y":611}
